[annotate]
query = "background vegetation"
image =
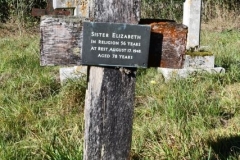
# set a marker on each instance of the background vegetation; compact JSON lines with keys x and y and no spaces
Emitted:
{"x":20,"y":11}
{"x":173,"y":9}
{"x":4,"y":11}
{"x":193,"y":118}
{"x":167,"y":9}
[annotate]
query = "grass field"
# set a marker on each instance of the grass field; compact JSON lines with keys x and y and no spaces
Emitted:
{"x":193,"y":118}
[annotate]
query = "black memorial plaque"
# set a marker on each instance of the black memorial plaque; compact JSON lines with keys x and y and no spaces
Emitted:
{"x":115,"y":44}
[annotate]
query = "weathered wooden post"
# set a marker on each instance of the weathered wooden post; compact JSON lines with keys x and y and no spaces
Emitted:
{"x":110,"y":93}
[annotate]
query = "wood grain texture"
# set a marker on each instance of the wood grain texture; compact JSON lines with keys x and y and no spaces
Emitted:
{"x":116,"y":11}
{"x":61,"y":39}
{"x":109,"y":114}
{"x":110,"y":94}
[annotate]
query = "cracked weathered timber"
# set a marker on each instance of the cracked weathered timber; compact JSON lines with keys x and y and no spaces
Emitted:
{"x":61,"y":40}
{"x":110,"y":94}
{"x":109,"y":114}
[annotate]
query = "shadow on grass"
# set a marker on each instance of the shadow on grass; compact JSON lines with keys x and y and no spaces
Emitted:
{"x":226,"y":147}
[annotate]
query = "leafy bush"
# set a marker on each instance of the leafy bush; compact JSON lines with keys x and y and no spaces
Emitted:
{"x":173,"y":9}
{"x":19,"y":9}
{"x":4,"y":11}
{"x":162,"y":9}
{"x":218,"y":8}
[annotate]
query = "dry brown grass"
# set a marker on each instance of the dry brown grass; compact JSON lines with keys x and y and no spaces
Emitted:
{"x":12,"y":28}
{"x":226,"y":21}
{"x":8,"y":29}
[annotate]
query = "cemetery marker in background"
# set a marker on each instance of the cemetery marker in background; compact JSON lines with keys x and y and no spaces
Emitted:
{"x":49,"y":10}
{"x":192,"y":19}
{"x":193,"y":61}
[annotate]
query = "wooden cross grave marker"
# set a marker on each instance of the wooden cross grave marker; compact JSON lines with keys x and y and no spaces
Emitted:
{"x":110,"y":94}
